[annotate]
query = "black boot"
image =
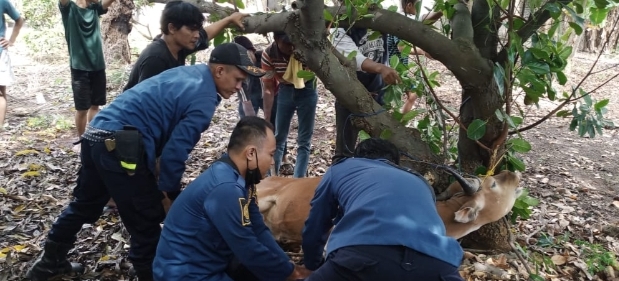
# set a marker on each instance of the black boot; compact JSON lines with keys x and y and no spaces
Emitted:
{"x":53,"y":262}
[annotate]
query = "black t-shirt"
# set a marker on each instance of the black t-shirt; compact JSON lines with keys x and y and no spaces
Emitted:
{"x":156,"y":58}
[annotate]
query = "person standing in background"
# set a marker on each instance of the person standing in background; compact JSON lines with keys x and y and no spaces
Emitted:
{"x":7,"y":8}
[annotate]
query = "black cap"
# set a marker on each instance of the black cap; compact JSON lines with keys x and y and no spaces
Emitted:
{"x":235,"y":54}
{"x":245,"y":42}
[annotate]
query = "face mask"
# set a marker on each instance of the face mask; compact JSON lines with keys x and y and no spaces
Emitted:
{"x":253,"y":176}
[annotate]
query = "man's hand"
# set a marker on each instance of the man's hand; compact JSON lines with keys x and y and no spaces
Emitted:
{"x":5,"y":43}
{"x":299,"y":273}
{"x":237,"y":19}
{"x":390,"y":76}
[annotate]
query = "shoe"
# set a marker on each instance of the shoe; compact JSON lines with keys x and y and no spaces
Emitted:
{"x":53,"y":262}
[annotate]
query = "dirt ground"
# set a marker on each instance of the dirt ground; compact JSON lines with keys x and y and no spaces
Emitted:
{"x":573,"y":234}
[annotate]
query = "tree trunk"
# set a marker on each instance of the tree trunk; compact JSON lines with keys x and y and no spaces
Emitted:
{"x":594,"y":37}
{"x":115,"y":28}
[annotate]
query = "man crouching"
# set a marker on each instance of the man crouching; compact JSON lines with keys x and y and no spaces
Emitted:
{"x":215,"y":221}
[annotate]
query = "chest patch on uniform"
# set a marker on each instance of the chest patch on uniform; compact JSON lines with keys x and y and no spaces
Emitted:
{"x":244,"y":204}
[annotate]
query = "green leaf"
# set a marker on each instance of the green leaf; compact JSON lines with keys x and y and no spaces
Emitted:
{"x":600,"y":104}
{"x":366,"y":16}
{"x":351,"y":55}
{"x":554,"y":9}
{"x":307,"y":75}
{"x":239,"y":4}
{"x":393,"y":8}
{"x":499,"y":114}
{"x":597,"y":16}
{"x":375,"y":35}
{"x":539,"y":67}
{"x":561,"y":78}
{"x":499,"y":78}
{"x":601,"y":4}
{"x":410,"y":115}
{"x":394,"y":61}
{"x":476,"y":130}
{"x":565,"y":52}
{"x":327,"y":15}
{"x":219,"y":39}
{"x":519,"y":145}
{"x":577,"y":28}
{"x":363,"y":135}
{"x":386,"y":134}
{"x":563,"y":113}
{"x":516,"y":163}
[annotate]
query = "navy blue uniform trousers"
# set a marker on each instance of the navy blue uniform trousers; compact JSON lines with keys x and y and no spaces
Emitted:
{"x":394,"y":263}
{"x":137,"y":198}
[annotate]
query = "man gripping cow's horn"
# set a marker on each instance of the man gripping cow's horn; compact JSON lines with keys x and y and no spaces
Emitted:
{"x":386,"y":224}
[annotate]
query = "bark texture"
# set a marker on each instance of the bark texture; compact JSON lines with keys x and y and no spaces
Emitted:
{"x":115,"y":28}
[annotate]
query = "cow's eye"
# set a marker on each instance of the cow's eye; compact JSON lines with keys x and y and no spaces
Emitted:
{"x":493,"y":185}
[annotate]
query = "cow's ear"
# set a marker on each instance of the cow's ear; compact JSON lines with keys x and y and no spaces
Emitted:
{"x":466,"y":214}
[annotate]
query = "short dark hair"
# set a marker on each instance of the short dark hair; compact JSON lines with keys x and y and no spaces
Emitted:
{"x":377,"y":148}
{"x":179,"y":14}
{"x":250,"y":129}
{"x":281,"y":35}
{"x":405,"y":2}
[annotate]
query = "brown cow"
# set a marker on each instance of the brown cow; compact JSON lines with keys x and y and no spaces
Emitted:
{"x":285,"y":203}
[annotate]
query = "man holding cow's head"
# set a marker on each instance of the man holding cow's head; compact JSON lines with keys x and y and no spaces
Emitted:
{"x":161,"y":117}
{"x":215,"y":231}
{"x":384,"y":230}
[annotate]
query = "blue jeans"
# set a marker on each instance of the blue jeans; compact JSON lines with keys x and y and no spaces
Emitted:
{"x":303,"y":101}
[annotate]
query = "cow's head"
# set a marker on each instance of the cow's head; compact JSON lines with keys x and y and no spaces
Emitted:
{"x":464,"y":214}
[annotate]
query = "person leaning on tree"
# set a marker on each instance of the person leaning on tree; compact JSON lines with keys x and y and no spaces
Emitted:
{"x":83,"y":34}
{"x":161,"y":117}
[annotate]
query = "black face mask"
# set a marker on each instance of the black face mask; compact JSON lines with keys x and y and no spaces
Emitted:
{"x":253,"y":176}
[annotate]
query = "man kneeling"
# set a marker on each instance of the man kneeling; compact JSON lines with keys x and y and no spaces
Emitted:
{"x":386,"y":223}
{"x":215,"y":221}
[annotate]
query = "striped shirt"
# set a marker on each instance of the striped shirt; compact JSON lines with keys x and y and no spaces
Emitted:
{"x":392,"y":47}
{"x":275,"y":64}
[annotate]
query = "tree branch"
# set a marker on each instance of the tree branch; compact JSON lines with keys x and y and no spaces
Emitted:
{"x":469,"y":67}
{"x":461,"y":22}
{"x":485,"y":29}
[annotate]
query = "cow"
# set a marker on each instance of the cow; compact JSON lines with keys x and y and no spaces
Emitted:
{"x":285,"y":203}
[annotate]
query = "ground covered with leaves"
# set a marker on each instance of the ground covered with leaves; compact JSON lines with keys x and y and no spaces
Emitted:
{"x":573,"y":234}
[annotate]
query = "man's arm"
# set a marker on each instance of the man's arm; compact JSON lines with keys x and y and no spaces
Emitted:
{"x":184,"y":138}
{"x":214,"y":29}
{"x":319,"y":223}
{"x":227,"y":211}
{"x":268,"y":85}
{"x":345,"y":44}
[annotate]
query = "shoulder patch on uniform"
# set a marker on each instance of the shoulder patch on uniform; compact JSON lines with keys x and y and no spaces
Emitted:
{"x":244,"y":204}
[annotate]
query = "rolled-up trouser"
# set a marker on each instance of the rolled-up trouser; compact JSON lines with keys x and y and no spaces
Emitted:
{"x":137,"y":198}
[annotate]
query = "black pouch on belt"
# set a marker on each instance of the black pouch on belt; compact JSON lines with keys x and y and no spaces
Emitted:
{"x":129,"y":148}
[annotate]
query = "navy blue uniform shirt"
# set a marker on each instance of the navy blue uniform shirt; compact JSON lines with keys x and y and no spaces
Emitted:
{"x":378,"y":205}
{"x":213,"y":220}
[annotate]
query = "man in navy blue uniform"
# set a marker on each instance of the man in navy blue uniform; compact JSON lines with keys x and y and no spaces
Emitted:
{"x":384,"y":230}
{"x":163,"y":117}
{"x":216,"y":220}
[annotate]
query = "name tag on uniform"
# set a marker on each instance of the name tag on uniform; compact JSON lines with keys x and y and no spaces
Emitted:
{"x":244,"y":204}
